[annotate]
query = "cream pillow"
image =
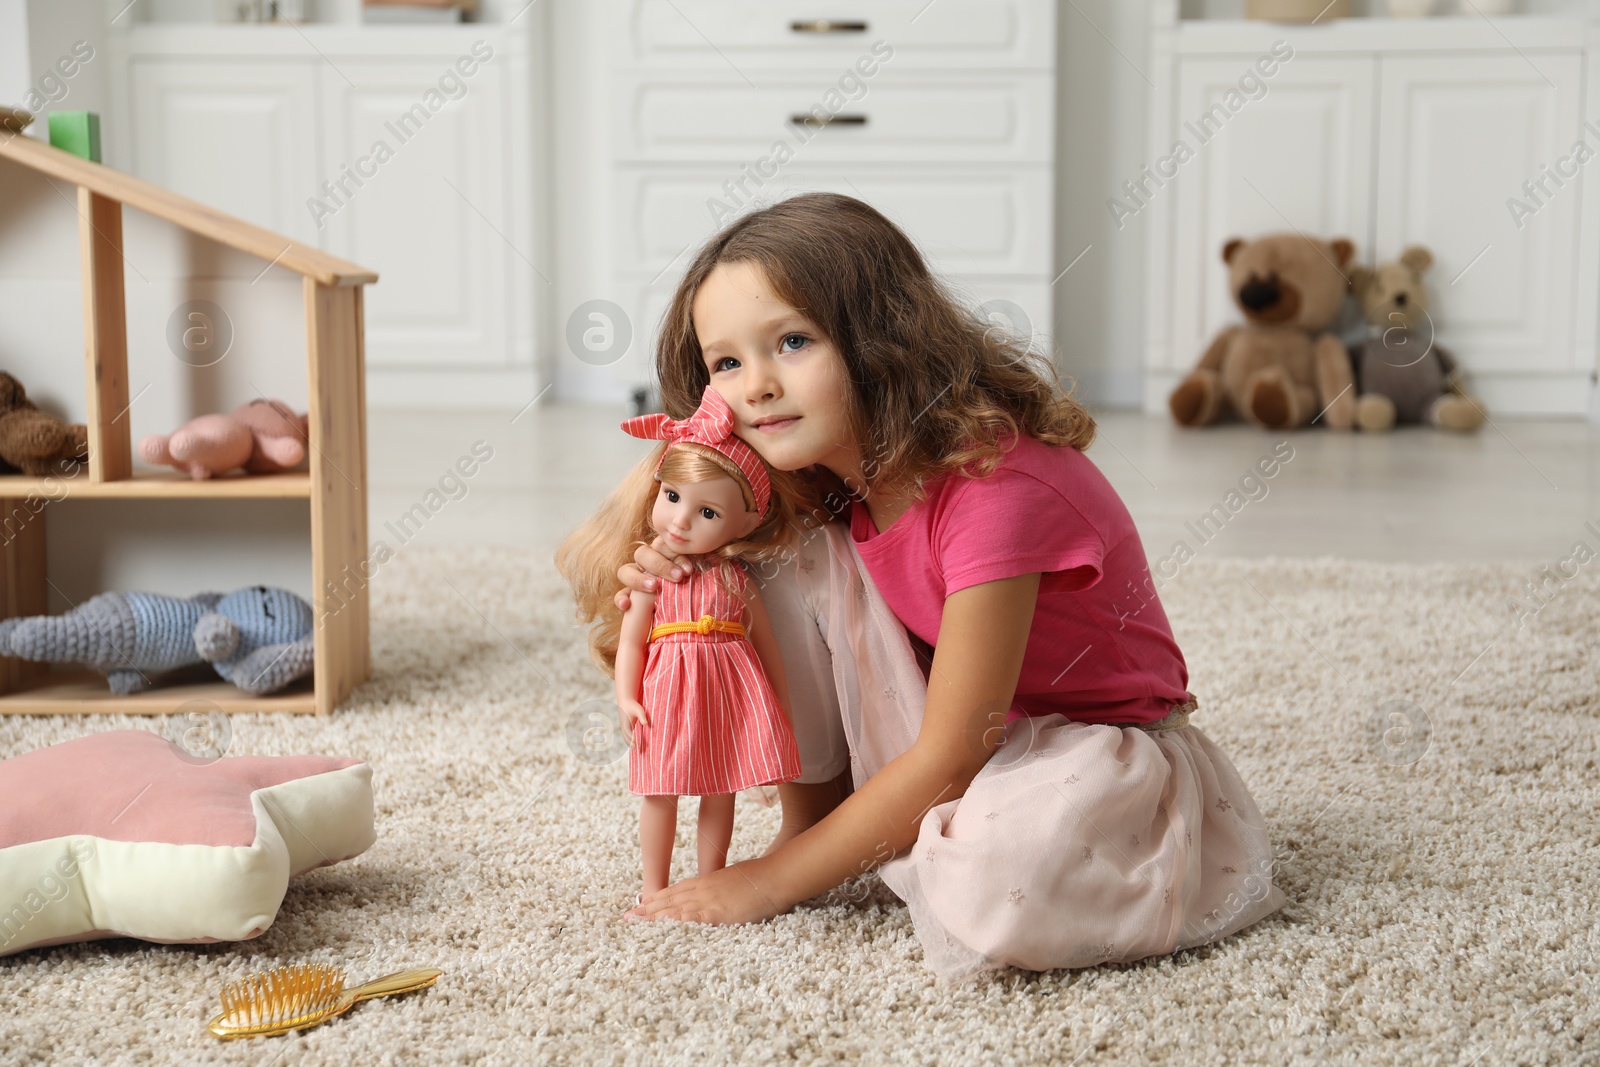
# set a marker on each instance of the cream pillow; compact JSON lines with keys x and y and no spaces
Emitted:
{"x":124,"y":834}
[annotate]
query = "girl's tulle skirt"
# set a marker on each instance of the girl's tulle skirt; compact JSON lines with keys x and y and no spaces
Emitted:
{"x":1077,"y":844}
{"x":1082,"y":844}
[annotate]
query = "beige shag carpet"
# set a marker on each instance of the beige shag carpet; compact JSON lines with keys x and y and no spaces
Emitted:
{"x":1439,"y":856}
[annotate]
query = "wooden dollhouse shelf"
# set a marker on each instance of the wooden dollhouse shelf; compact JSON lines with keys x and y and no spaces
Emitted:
{"x":86,"y":693}
{"x":335,"y":485}
{"x":149,"y":484}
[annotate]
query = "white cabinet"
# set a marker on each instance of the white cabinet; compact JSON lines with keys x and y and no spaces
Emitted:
{"x":943,"y":119}
{"x":1391,"y":133}
{"x":407,"y":149}
{"x":426,"y":216}
{"x":1457,"y":139}
{"x":238,"y":136}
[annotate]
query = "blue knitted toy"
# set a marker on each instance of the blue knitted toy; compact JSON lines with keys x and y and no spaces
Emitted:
{"x":258,"y":638}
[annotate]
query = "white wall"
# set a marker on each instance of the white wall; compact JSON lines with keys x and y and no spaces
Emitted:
{"x":54,"y":27}
{"x":14,"y":69}
{"x":578,"y":132}
{"x":1103,"y":82}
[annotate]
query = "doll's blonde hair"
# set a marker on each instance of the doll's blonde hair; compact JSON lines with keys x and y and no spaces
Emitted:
{"x":590,"y":556}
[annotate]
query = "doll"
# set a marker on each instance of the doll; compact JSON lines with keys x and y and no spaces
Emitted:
{"x":699,"y":682}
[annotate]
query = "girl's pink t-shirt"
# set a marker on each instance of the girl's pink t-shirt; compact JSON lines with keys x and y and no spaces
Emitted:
{"x":1100,"y":649}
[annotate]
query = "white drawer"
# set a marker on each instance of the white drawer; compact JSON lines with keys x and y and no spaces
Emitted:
{"x":951,"y":119}
{"x":754,"y":36}
{"x":965,"y":222}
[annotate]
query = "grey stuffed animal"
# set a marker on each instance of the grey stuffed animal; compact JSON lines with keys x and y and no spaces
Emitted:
{"x":1402,"y":374}
{"x":259,"y":638}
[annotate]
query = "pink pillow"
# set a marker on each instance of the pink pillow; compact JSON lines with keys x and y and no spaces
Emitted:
{"x":124,"y":834}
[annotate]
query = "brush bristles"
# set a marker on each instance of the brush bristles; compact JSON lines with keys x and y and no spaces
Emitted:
{"x":281,"y":996}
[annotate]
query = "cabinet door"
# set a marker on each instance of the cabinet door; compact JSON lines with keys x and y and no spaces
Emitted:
{"x":1297,"y":158}
{"x":238,"y":136}
{"x":1459,"y":135}
{"x":432,"y":212}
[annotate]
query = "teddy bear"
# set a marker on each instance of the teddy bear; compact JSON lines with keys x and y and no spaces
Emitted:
{"x":1282,"y":367}
{"x":262,"y":436}
{"x":259,"y":638}
{"x":1402,"y":374}
{"x":32,"y":441}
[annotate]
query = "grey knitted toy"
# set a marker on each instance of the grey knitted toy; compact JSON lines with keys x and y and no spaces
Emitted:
{"x":258,"y":638}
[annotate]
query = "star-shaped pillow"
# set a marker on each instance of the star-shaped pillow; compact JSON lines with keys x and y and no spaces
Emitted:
{"x":124,"y":834}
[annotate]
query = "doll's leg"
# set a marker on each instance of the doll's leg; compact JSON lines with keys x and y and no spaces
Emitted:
{"x":716,"y":832}
{"x":658,"y":825}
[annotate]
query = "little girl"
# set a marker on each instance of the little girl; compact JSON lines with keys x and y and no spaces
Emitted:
{"x":705,"y":709}
{"x":1036,"y":792}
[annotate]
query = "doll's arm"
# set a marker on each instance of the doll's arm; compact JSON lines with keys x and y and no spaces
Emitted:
{"x":766,"y":645}
{"x":636,"y":625}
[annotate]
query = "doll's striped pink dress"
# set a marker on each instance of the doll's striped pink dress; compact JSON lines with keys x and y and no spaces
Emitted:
{"x":715,"y":723}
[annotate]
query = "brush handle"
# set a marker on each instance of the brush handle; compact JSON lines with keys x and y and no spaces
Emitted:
{"x":398,"y":982}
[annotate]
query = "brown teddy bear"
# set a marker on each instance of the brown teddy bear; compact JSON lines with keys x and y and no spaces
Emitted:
{"x":1282,"y":367}
{"x":1403,"y":375}
{"x":32,"y":441}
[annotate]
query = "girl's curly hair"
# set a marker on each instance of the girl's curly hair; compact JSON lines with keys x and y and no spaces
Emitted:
{"x":935,"y":389}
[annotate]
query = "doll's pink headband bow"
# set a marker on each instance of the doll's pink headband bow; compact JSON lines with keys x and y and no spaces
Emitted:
{"x":711,"y":425}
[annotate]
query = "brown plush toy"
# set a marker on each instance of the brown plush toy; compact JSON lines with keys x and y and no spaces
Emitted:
{"x":1403,"y":374}
{"x":1282,"y":366}
{"x":31,"y":440}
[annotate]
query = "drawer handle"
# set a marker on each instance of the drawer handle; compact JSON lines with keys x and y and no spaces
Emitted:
{"x":827,"y":26}
{"x":819,"y":121}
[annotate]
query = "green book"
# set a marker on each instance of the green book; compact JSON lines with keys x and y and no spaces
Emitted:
{"x":77,"y":132}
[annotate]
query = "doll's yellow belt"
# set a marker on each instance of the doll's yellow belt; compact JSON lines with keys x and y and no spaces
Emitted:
{"x":705,"y":625}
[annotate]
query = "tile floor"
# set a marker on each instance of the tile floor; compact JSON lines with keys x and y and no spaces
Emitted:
{"x":1518,"y":490}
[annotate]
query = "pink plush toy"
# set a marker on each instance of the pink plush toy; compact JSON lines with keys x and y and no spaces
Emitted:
{"x":262,"y":436}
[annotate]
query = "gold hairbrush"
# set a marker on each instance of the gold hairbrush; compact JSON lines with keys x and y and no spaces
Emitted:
{"x":302,"y":995}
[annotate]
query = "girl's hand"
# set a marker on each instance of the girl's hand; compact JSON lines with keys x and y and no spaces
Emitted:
{"x":652,"y":562}
{"x":629,"y":713}
{"x":743,"y":893}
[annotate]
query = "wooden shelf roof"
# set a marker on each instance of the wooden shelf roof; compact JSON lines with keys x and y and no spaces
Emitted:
{"x":181,"y":211}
